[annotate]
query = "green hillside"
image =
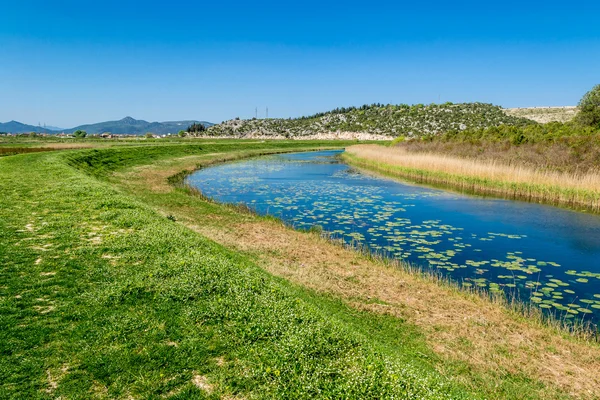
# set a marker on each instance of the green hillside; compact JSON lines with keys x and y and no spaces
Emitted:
{"x":378,"y":119}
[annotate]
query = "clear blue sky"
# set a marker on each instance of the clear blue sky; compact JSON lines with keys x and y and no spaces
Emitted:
{"x":66,"y":62}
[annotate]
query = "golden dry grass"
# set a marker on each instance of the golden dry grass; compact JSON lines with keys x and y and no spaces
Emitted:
{"x":487,"y":170}
{"x":488,"y":177}
{"x":491,"y":339}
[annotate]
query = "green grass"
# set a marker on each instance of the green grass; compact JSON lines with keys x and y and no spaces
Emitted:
{"x":102,"y":296}
{"x":103,"y":161}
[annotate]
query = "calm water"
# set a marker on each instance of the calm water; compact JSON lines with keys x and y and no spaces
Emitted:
{"x":543,"y":253}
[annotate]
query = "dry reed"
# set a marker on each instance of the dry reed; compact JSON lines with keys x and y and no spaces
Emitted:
{"x":484,"y":177}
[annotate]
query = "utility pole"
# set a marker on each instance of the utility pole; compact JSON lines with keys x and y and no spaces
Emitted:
{"x":256,"y":112}
{"x":267,"y":113}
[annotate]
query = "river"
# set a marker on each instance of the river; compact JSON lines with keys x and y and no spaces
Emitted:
{"x":547,"y":255}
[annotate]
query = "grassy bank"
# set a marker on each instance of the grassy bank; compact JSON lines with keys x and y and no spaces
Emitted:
{"x":104,"y":296}
{"x":578,"y":191}
{"x":485,"y":346}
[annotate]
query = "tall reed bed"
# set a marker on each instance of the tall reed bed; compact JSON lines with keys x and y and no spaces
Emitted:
{"x":581,"y":191}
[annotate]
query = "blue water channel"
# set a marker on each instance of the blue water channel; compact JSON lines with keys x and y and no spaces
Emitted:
{"x":547,"y":255}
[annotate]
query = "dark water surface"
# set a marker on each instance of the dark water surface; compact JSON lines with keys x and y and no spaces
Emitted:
{"x":543,"y":253}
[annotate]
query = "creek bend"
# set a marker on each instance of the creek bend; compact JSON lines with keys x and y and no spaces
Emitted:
{"x":547,"y":255}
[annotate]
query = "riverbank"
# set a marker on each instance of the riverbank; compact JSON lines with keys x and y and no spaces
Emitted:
{"x":481,"y":343}
{"x":118,"y":284}
{"x":577,"y":191}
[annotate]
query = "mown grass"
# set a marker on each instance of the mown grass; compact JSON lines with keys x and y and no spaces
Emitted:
{"x":489,"y":178}
{"x":101,"y":296}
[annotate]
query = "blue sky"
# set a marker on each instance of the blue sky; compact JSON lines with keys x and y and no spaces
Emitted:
{"x":66,"y":63}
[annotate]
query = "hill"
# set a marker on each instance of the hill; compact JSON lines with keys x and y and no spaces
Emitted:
{"x":544,"y":114}
{"x":127,"y":126}
{"x":133,"y":126}
{"x":18,"y":127}
{"x":376,"y":119}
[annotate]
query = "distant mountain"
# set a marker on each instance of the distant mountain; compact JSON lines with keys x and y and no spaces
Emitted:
{"x":17,"y":127}
{"x":127,"y":125}
{"x":133,"y":126}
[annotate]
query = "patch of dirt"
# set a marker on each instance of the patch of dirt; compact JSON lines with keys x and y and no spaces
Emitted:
{"x":54,"y":378}
{"x":220,"y":361}
{"x":201,"y":382}
{"x":42,"y":248}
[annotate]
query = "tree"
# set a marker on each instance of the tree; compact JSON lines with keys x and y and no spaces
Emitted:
{"x":149,"y":135}
{"x":589,"y":108}
{"x":196,"y":128}
{"x":80,"y":134}
{"x":181,"y":134}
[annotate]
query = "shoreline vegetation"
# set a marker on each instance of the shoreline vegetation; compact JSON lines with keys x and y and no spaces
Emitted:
{"x":580,"y":191}
{"x":117,"y":282}
{"x":556,"y":163}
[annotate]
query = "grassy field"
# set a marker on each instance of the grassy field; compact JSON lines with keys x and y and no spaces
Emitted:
{"x":116,"y":284}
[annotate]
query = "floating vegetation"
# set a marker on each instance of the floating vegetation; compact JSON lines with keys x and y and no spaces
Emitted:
{"x":408,"y":223}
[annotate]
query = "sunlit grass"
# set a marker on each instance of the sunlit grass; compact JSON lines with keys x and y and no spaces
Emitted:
{"x":105,"y":295}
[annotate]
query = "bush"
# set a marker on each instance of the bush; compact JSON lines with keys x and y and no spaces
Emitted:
{"x":398,"y":140}
{"x":589,"y":108}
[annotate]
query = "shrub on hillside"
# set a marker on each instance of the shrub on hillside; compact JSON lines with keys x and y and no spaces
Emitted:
{"x":589,"y":108}
{"x":390,"y":120}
